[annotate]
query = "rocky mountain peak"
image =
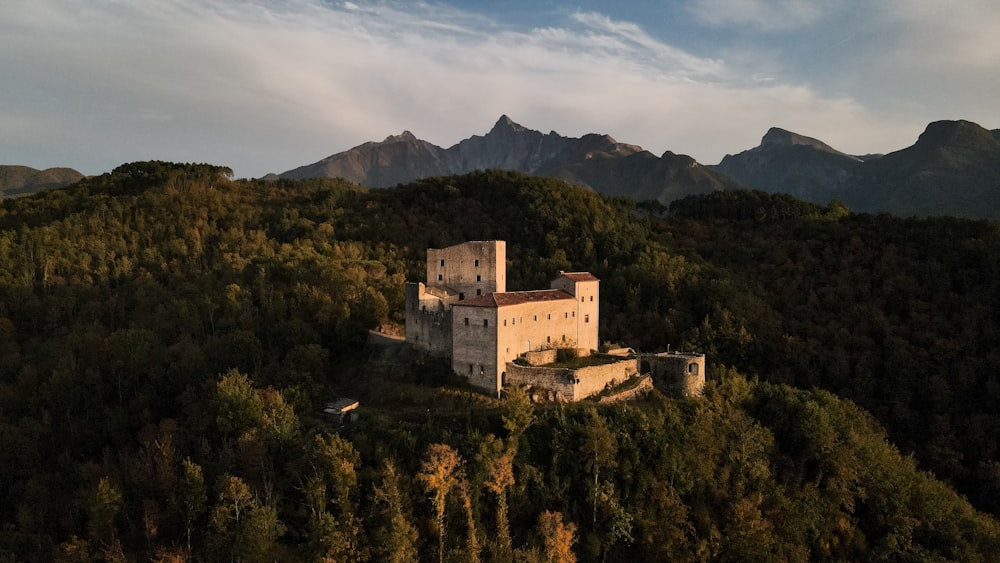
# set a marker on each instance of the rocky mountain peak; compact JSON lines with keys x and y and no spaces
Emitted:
{"x":404,"y":137}
{"x":958,"y":133}
{"x":506,"y":125}
{"x":776,"y":136}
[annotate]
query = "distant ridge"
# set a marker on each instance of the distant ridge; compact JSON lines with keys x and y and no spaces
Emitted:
{"x":16,"y":180}
{"x":952,"y":169}
{"x":595,"y":161}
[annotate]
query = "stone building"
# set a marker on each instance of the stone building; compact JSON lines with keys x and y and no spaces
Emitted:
{"x":464,"y":312}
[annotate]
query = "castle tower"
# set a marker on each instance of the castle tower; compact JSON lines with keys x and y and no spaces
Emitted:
{"x":469,"y":269}
{"x":585,"y":287}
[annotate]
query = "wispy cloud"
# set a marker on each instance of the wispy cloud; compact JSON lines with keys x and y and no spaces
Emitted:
{"x":766,"y":15}
{"x":266,"y":86}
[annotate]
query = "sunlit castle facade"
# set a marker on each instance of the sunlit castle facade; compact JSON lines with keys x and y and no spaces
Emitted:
{"x":465,"y":312}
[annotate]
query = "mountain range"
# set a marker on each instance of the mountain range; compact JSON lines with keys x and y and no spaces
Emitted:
{"x":21,"y":180}
{"x":595,"y":161}
{"x":952,"y":169}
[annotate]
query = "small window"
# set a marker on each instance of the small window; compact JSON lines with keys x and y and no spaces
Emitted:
{"x":466,"y":321}
{"x":581,"y":299}
{"x":442,"y":263}
{"x":461,"y":297}
{"x":479,"y":278}
{"x":586,"y":318}
{"x":482,"y":370}
{"x":470,"y":369}
{"x":693,"y":369}
{"x":505,"y":322}
{"x":548,"y":339}
{"x":486,"y":322}
{"x":549,"y":317}
{"x":479,"y":292}
{"x":423,"y":308}
{"x":574,"y":314}
{"x":477,"y":265}
{"x":565,"y":315}
{"x":513,"y":321}
{"x":535,"y":318}
{"x":591,"y":298}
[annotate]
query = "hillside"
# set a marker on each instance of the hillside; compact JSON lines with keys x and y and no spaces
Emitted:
{"x":790,"y":163}
{"x":168,"y":338}
{"x":952,"y":169}
{"x":21,"y":180}
{"x":594,"y":161}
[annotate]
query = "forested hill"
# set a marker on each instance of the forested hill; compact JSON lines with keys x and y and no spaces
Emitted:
{"x":168,"y":338}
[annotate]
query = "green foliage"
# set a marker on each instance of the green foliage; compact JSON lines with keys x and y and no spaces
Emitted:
{"x":168,"y":337}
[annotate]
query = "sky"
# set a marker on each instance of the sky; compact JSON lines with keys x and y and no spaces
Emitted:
{"x":268,"y":85}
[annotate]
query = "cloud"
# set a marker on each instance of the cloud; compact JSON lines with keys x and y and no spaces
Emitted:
{"x":267,"y":86}
{"x":765,"y":15}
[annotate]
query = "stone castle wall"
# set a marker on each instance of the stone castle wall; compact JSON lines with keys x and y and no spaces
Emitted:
{"x":675,"y":373}
{"x":564,"y":384}
{"x":471,"y":268}
{"x":428,"y":321}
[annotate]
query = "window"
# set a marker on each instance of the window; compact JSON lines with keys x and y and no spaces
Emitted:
{"x":466,"y":321}
{"x":574,"y":314}
{"x":565,"y":315}
{"x":479,"y":278}
{"x":693,"y":369}
{"x":549,"y":317}
{"x":548,"y":339}
{"x":591,"y":298}
{"x":479,"y":292}
{"x":586,"y":318}
{"x":505,"y":322}
{"x":486,"y":322}
{"x":581,"y":299}
{"x":535,"y":318}
{"x":470,"y":369}
{"x":513,"y":321}
{"x":440,"y":277}
{"x":461,"y":297}
{"x":482,"y":370}
{"x":477,"y":265}
{"x":442,"y":263}
{"x":423,"y":308}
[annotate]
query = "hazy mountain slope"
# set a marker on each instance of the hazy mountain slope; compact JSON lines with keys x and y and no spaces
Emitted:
{"x":22,"y":180}
{"x":595,"y":161}
{"x":952,"y":169}
{"x":787,"y":162}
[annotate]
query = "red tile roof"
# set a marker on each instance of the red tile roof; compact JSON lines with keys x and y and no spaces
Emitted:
{"x":515,"y":298}
{"x":579,"y":276}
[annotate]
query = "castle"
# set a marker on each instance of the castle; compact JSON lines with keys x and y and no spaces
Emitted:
{"x":496,"y":337}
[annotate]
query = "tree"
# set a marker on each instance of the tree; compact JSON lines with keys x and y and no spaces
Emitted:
{"x":557,"y":538}
{"x":499,"y":479}
{"x":192,"y":497}
{"x":395,"y":537}
{"x":518,"y":415}
{"x":439,"y":473}
{"x":103,"y":504}
{"x":599,"y":449}
{"x":240,"y":406}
